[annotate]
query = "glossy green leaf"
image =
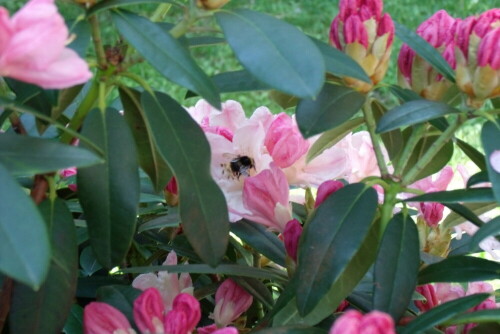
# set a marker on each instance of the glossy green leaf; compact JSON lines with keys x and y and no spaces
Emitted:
{"x":454,"y":219}
{"x":340,"y":64}
{"x":477,"y":178}
{"x":471,"y":195}
{"x":425,"y":50}
{"x":332,"y":137}
{"x":170,"y":220}
{"x":23,"y":155}
{"x":48,"y":307}
{"x":109,"y":193}
{"x":74,"y":322}
{"x":121,"y":297}
{"x":237,"y":81}
{"x":486,"y":328}
{"x":88,"y":262}
{"x":331,"y":108}
{"x":257,"y":236}
{"x":405,"y":95}
{"x":396,"y":267}
{"x":465,"y":212}
{"x":23,"y":235}
{"x":81,"y":31}
{"x":492,"y":315}
{"x":330,"y":240}
{"x":460,"y":269}
{"x":150,"y":159}
{"x":197,"y":41}
{"x":490,"y":137}
{"x":166,"y":54}
{"x":476,"y":156}
{"x":262,"y":44}
{"x":442,"y":313}
{"x":108,"y":4}
{"x":257,"y":289}
{"x":492,"y":228}
{"x":393,"y":140}
{"x":413,"y":112}
{"x":292,"y":330}
{"x":183,"y":145}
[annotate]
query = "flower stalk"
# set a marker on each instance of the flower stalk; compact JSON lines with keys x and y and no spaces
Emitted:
{"x":371,"y":125}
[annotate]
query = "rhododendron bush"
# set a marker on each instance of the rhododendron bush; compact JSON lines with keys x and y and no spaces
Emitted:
{"x":126,"y":210}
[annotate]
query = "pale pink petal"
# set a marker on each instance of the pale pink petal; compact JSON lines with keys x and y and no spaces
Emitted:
{"x":101,"y":318}
{"x":495,"y":160}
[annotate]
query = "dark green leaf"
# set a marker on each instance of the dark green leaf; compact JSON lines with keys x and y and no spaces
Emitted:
{"x":413,"y":112}
{"x":340,"y":64}
{"x":486,"y":328}
{"x":465,"y":212}
{"x":396,"y":266}
{"x":262,"y":44}
{"x":460,"y":269}
{"x":442,"y":313}
{"x":393,"y":140}
{"x":330,"y":240}
{"x":425,"y":50}
{"x":170,"y":220}
{"x":149,"y":158}
{"x":204,"y":41}
{"x":257,"y":236}
{"x":477,"y":178}
{"x":80,"y":29}
{"x":165,"y":54}
{"x":88,"y":262}
{"x":24,"y":241}
{"x":120,"y":296}
{"x":23,"y":155}
{"x":48,"y":308}
{"x":257,"y":289}
{"x":454,"y":219}
{"x":405,"y":95}
{"x":331,"y":108}
{"x":74,"y":323}
{"x":109,"y":193}
{"x":183,"y":145}
{"x":492,"y":228}
{"x":87,"y":286}
{"x":238,"y":81}
{"x":476,"y":156}
{"x":292,"y":330}
{"x":490,"y":137}
{"x":471,"y":195}
{"x":476,"y":317}
{"x":108,"y":4}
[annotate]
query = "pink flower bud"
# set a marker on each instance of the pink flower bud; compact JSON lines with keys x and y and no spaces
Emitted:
{"x":101,"y":318}
{"x":355,"y":31}
{"x":291,"y":235}
{"x":284,"y":141}
{"x":148,"y":312}
{"x":172,"y":186}
{"x":265,"y":196}
{"x":226,"y":330}
{"x":33,"y":47}
{"x":176,"y":322}
{"x":65,"y":173}
{"x":431,"y":299}
{"x":488,"y":55}
{"x":432,"y":212}
{"x":188,"y":306}
{"x":343,"y":306}
{"x":231,"y":301}
{"x":326,"y":189}
{"x":353,"y":322}
{"x":207,"y":329}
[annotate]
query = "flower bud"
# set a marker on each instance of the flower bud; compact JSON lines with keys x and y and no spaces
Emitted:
{"x":432,"y":212}
{"x":211,"y":4}
{"x":101,"y":318}
{"x":171,"y":192}
{"x":291,"y":235}
{"x":231,"y":301}
{"x":363,"y":33}
{"x":326,"y":189}
{"x":354,"y":322}
{"x":190,"y":307}
{"x":431,"y":299}
{"x":148,"y":312}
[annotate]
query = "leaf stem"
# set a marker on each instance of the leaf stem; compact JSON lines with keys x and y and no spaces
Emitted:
{"x":371,"y":125}
{"x":96,"y":38}
{"x":418,"y":131}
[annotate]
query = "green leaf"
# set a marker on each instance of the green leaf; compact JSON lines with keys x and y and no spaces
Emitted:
{"x":165,"y":54}
{"x":262,"y":44}
{"x":466,"y":213}
{"x":425,"y":50}
{"x":413,"y":112}
{"x":23,"y":155}
{"x":48,"y":308}
{"x":331,"y":108}
{"x":486,"y":328}
{"x":170,"y":220}
{"x":393,"y":140}
{"x":490,"y":229}
{"x":260,"y":239}
{"x":460,"y":269}
{"x":330,"y":240}
{"x":292,"y":330}
{"x":476,"y":317}
{"x":88,"y":262}
{"x":149,"y":158}
{"x":471,"y":195}
{"x":238,"y":81}
{"x":80,"y":29}
{"x":121,"y":297}
{"x":257,"y":289}
{"x":490,"y":135}
{"x":476,"y":156}
{"x":23,"y":235}
{"x":332,"y":137}
{"x":396,"y":267}
{"x":197,"y":41}
{"x":109,"y":193}
{"x":442,"y":313}
{"x":405,"y":95}
{"x":74,"y":323}
{"x":340,"y":64}
{"x":477,"y":178}
{"x":454,"y":219}
{"x":108,"y":4}
{"x":183,"y":145}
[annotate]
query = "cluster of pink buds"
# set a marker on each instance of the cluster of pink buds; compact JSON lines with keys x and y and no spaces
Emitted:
{"x":353,"y":322}
{"x":366,"y":35}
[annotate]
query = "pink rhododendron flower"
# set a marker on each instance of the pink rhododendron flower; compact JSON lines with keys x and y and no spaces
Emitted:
{"x":212,"y":329}
{"x":431,"y":299}
{"x":326,"y":189}
{"x":169,"y":285}
{"x":231,"y":301}
{"x":148,"y":311}
{"x":353,"y":322}
{"x":68,"y":172}
{"x":33,"y":47}
{"x":361,"y":156}
{"x":291,"y":236}
{"x":184,"y":316}
{"x":101,"y":318}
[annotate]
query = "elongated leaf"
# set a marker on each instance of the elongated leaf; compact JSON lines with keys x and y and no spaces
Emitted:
{"x":165,"y":54}
{"x":24,"y":242}
{"x":121,"y":297}
{"x":80,"y":29}
{"x":393,"y":140}
{"x":442,"y":313}
{"x":477,"y":178}
{"x":88,"y":262}
{"x":109,"y":193}
{"x":262,"y":44}
{"x":292,"y":330}
{"x":413,"y":112}
{"x":405,"y":95}
{"x":48,"y":307}
{"x":334,"y":105}
{"x":149,"y":158}
{"x":476,"y":317}
{"x":425,"y":50}
{"x":476,"y":156}
{"x":74,"y":323}
{"x":396,"y":266}
{"x":490,"y":135}
{"x":471,"y":195}
{"x":108,"y":4}
{"x":340,"y":64}
{"x":460,"y":269}
{"x":183,"y":145}
{"x":23,"y":155}
{"x":257,"y":236}
{"x":454,"y":219}
{"x":466,"y":213}
{"x":490,"y":229}
{"x":257,"y":289}
{"x":330,"y":240}
{"x":332,"y":137}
